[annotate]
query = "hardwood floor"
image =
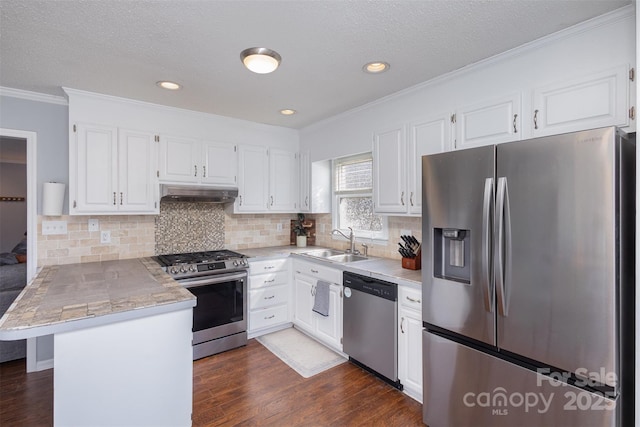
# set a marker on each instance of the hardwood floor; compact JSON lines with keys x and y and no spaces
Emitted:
{"x":245,"y":386}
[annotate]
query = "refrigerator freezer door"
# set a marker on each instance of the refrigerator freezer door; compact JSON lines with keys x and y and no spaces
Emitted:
{"x":457,"y":194}
{"x":557,"y":300}
{"x":465,"y":387}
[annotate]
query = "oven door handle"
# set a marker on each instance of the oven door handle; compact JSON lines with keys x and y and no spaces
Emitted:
{"x":211,"y":280}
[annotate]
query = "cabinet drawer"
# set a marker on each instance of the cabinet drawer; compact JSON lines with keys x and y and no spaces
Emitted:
{"x":266,"y":317}
{"x":267,"y":266}
{"x":268,"y":296}
{"x":318,"y":271}
{"x":410,"y":298}
{"x":269,"y":279}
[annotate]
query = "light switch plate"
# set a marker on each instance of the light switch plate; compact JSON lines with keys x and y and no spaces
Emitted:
{"x":54,"y":227}
{"x":94,"y":225}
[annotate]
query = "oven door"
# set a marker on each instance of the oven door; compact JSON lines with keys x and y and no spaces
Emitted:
{"x":221,"y":305}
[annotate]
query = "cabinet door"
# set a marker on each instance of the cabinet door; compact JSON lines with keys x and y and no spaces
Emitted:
{"x":410,"y":352}
{"x":96,"y":164}
{"x":304,"y":200}
{"x":427,"y":136}
{"x":389,"y":172}
{"x":179,"y":159}
{"x":137,"y":180}
{"x":592,"y":101}
{"x":491,"y":122}
{"x":219,"y":163}
{"x":303,"y":302}
{"x":253,"y":179}
{"x":283,"y":181}
{"x":329,"y":329}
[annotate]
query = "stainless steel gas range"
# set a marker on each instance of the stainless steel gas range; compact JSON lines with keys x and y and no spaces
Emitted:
{"x":218,"y":279}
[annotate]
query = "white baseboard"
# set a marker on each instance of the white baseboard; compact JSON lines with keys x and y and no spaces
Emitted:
{"x":42,"y":365}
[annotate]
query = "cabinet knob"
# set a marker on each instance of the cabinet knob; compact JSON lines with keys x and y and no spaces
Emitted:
{"x":204,"y":171}
{"x":195,"y":170}
{"x":114,"y":198}
{"x":535,"y":119}
{"x":515,"y":128}
{"x":402,"y":198}
{"x":411,"y":198}
{"x":402,"y":325}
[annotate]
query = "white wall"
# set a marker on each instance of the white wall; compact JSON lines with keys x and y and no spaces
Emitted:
{"x":49,"y":121}
{"x":605,"y":42}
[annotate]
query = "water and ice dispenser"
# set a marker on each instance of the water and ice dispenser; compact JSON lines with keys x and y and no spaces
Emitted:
{"x":451,"y":254}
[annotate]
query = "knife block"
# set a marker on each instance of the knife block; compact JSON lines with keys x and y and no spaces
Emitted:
{"x":413,"y":263}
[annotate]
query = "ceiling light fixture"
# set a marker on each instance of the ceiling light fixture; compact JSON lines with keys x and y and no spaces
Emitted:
{"x":376,"y":67}
{"x":260,"y":59}
{"x":168,"y":85}
{"x":287,"y":112}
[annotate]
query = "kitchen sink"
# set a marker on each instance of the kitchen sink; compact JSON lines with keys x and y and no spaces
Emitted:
{"x":347,"y":258}
{"x":324,"y":253}
{"x":335,"y":255}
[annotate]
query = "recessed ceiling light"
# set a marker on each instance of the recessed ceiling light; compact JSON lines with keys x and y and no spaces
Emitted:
{"x":168,"y":85}
{"x":260,"y":59}
{"x":287,"y":112}
{"x":376,"y":67}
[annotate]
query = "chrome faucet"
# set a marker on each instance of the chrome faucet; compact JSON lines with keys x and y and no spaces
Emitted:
{"x":352,"y":241}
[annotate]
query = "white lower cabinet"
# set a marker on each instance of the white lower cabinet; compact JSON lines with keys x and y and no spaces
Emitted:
{"x":268,"y":300}
{"x":325,"y":329}
{"x":410,"y":341}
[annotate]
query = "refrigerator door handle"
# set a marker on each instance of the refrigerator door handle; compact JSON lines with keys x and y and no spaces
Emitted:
{"x":487,"y":214}
{"x":502,"y":237}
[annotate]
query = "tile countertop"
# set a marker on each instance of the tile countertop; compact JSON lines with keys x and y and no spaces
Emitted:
{"x":380,"y":268}
{"x":63,"y":298}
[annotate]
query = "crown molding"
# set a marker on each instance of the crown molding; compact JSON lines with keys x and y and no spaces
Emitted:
{"x":33,"y":96}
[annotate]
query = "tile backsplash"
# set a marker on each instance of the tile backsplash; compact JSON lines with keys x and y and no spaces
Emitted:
{"x":132,"y":236}
{"x":189,"y":227}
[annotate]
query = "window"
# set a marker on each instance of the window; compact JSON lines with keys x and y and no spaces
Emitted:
{"x":353,"y":198}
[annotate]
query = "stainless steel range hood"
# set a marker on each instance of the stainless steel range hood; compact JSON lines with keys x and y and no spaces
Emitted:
{"x":192,"y":193}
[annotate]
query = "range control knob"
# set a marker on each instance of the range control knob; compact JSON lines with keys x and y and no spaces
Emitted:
{"x":235,"y":263}
{"x":182,"y":270}
{"x":173,"y":270}
{"x":192,"y":268}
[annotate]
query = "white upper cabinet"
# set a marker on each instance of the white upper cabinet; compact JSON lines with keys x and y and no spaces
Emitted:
{"x":112,"y":171}
{"x":268,"y":180}
{"x":304,"y":200}
{"x":198,"y":162}
{"x":489,"y":122}
{"x":283,"y":180}
{"x":253,"y":179}
{"x":397,"y":162}
{"x":427,"y":136}
{"x":591,"y":101}
{"x":219,"y":163}
{"x":389,"y":171}
{"x":137,"y":171}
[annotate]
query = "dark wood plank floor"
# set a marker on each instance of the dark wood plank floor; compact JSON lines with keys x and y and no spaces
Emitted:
{"x":245,"y":386}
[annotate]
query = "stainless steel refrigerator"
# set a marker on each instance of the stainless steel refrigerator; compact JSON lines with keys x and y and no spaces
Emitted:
{"x":528,"y":282}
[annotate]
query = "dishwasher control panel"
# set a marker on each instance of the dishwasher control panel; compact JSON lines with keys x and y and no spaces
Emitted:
{"x":369,"y":285}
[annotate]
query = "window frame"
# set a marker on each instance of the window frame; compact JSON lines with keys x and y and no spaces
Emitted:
{"x":381,"y":236}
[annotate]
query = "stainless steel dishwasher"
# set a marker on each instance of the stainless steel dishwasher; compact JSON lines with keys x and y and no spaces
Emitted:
{"x":370,"y":335}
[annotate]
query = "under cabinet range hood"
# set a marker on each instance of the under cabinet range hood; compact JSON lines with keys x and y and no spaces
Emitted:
{"x":192,"y":193}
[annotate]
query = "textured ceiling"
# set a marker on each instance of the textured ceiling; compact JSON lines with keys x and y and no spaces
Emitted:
{"x":123,"y":47}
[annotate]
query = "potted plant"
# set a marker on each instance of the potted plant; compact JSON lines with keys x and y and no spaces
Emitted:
{"x":300,"y":231}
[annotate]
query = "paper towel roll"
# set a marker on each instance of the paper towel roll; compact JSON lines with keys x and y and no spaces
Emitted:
{"x":52,"y":198}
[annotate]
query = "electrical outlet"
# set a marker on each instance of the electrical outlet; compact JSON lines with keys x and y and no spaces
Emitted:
{"x":54,"y":227}
{"x":279,"y":226}
{"x":105,"y":237}
{"x":94,"y":225}
{"x":406,"y":233}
